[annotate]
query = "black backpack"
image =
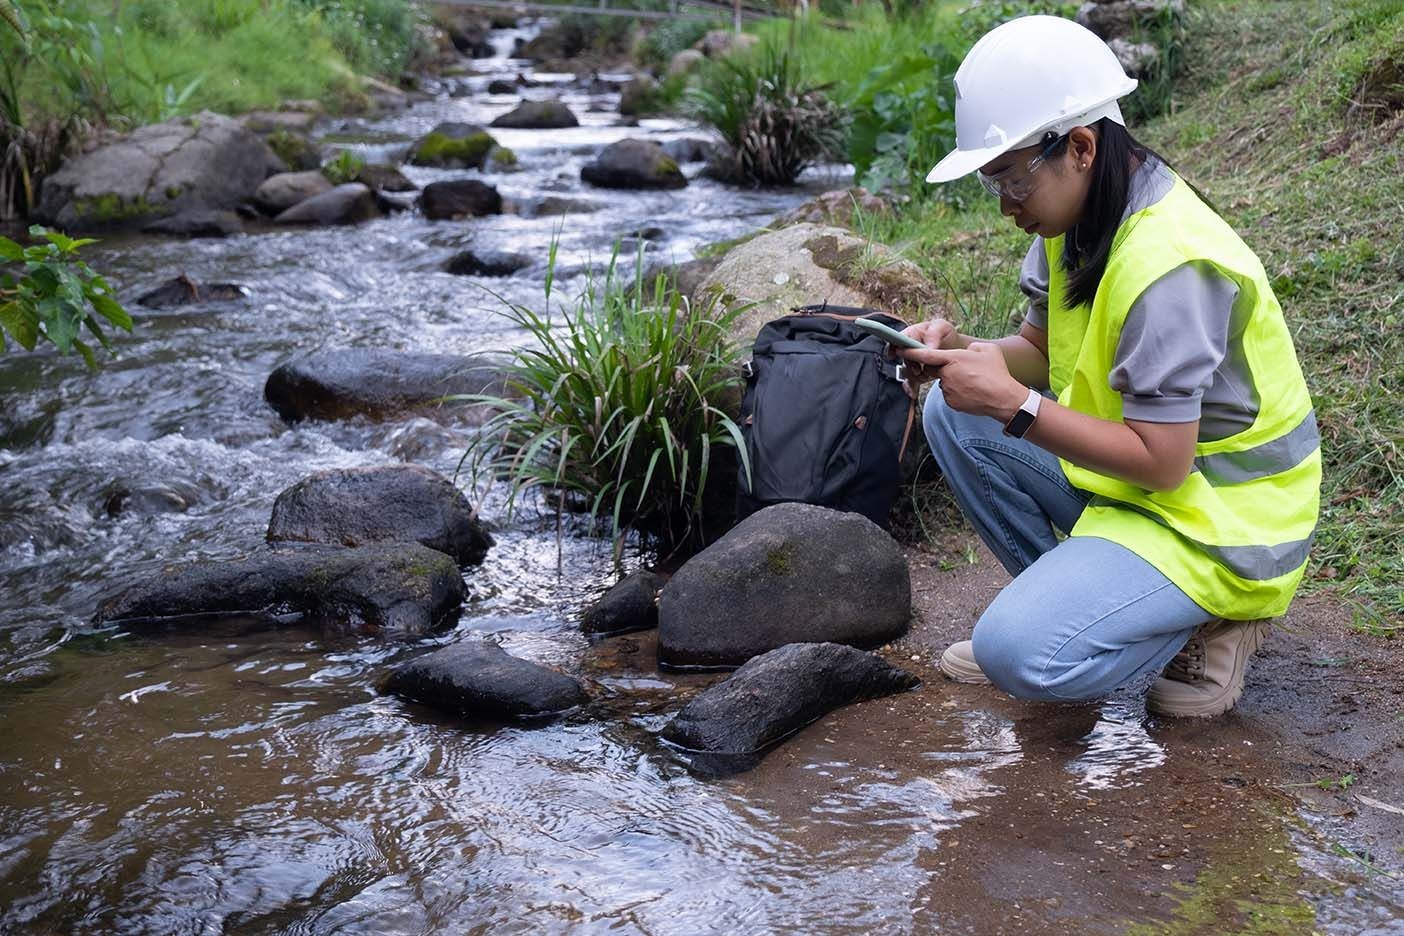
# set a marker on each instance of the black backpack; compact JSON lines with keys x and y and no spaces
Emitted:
{"x":825,"y":417}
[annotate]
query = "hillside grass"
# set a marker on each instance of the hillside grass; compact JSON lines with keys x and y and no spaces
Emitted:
{"x":1288,"y":114}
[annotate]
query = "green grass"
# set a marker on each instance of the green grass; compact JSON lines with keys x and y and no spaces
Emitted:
{"x":1289,"y":118}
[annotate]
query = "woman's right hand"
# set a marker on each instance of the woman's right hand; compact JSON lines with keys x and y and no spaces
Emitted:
{"x":936,"y":333}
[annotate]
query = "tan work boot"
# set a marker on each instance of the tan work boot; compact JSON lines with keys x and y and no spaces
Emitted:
{"x":958,"y":663}
{"x":1206,"y":677}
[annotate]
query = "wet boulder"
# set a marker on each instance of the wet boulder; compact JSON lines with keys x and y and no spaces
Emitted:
{"x":502,"y":86}
{"x":475,"y":679}
{"x":537,"y":115}
{"x":278,"y":193}
{"x":634,"y":164}
{"x":197,"y":222}
{"x":182,"y":291}
{"x":399,"y":589}
{"x":551,"y":205}
{"x":778,"y":693}
{"x":351,"y":203}
{"x":122,"y":498}
{"x":637,"y":95}
{"x":459,"y":198}
{"x":486,"y":263}
{"x":382,"y":178}
{"x":631,"y":605}
{"x":206,"y":162}
{"x":791,"y":573}
{"x":337,"y":384}
{"x":382,"y":504}
{"x":297,"y":152}
{"x":453,"y":146}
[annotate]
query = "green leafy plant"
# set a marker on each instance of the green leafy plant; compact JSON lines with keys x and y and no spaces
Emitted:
{"x":774,"y":123}
{"x":616,"y":409}
{"x":56,"y":296}
{"x":344,"y":168}
{"x":903,"y":120}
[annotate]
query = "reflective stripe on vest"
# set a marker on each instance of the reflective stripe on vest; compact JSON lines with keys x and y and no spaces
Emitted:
{"x":1235,"y":534}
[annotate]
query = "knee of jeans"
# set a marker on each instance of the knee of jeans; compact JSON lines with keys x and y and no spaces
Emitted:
{"x":1008,"y":655}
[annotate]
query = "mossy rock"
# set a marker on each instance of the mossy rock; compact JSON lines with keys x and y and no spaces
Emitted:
{"x":295,"y":150}
{"x":453,"y":146}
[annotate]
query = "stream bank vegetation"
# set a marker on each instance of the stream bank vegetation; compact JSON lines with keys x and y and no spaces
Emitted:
{"x":617,"y":410}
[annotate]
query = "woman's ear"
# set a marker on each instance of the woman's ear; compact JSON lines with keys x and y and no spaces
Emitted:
{"x":1082,"y":146}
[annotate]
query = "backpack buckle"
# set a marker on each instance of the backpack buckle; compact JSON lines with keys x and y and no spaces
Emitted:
{"x":748,"y":368}
{"x":900,"y":372}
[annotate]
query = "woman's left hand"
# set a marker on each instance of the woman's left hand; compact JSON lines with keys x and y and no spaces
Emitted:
{"x":974,"y":380}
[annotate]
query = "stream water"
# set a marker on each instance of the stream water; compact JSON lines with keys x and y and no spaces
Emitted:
{"x":233,"y":783}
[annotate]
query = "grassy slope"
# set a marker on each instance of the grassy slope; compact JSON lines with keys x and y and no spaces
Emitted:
{"x":1270,"y":122}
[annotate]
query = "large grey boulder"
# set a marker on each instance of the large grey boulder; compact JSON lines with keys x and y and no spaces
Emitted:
{"x":775,"y":695}
{"x":339,"y":383}
{"x":476,"y":679}
{"x":400,"y":589}
{"x":381,"y":504}
{"x":537,"y":115}
{"x":459,"y":198}
{"x":634,"y":164}
{"x":278,"y":193}
{"x":351,"y":203}
{"x":207,"y":162}
{"x":811,"y":263}
{"x":792,"y":573}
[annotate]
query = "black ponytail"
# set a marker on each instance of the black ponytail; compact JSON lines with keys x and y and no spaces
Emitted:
{"x":1087,"y":247}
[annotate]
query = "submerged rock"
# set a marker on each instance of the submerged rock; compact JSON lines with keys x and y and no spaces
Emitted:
{"x":351,"y":203}
{"x":537,"y":115}
{"x":631,"y":605}
{"x":339,"y":383}
{"x":388,"y":503}
{"x":453,"y":146}
{"x":122,"y":498}
{"x":278,"y":193}
{"x":182,"y":290}
{"x":786,"y":574}
{"x":459,"y":198}
{"x":382,"y":178}
{"x":634,"y":164}
{"x":775,"y":695}
{"x":550,"y":205}
{"x":402,"y":589}
{"x":486,"y":263}
{"x":476,"y":679}
{"x":206,"y":162}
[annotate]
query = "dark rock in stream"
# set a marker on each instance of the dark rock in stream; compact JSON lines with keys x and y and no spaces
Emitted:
{"x":775,"y":695}
{"x":400,"y":589}
{"x":634,"y":164}
{"x":205,"y":162}
{"x":550,"y":205}
{"x":339,"y":383}
{"x":476,"y":679}
{"x":537,"y":115}
{"x":351,"y":203}
{"x":791,"y":573}
{"x":382,"y":178}
{"x":197,"y":223}
{"x":121,"y":498}
{"x":182,"y":291}
{"x":631,"y":605}
{"x":486,"y":263}
{"x":278,"y":193}
{"x":386,"y":503}
{"x":459,"y":198}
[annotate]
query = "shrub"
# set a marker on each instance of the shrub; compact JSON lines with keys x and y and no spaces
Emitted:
{"x":56,"y":297}
{"x":344,"y":168}
{"x":617,"y":407}
{"x":776,"y":126}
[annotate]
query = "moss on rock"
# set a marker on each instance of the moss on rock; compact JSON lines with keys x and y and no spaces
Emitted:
{"x":439,"y":149}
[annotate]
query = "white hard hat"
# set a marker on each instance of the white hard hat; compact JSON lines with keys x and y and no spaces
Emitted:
{"x":1024,"y":78}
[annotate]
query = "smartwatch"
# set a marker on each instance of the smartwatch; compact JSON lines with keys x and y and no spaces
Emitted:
{"x":1024,"y":416}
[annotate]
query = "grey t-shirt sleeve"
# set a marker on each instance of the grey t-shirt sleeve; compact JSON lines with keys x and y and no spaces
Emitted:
{"x":1174,"y":339}
{"x":1033,"y":280}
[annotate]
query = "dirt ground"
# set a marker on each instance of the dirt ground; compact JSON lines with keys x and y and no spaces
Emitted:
{"x":1316,"y":745}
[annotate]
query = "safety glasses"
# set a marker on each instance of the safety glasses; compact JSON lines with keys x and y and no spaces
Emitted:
{"x":1014,"y":184}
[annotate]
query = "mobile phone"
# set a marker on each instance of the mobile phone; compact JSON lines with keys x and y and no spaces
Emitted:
{"x":889,"y":335}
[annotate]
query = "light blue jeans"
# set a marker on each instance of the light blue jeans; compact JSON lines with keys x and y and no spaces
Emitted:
{"x":1083,"y":615}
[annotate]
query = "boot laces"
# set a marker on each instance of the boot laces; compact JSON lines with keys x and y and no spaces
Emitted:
{"x":1188,"y":664}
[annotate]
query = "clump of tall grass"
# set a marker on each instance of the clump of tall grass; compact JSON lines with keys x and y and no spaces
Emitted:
{"x":616,"y":408}
{"x":775,"y":124}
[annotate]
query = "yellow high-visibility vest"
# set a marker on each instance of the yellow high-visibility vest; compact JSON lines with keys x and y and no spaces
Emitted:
{"x":1235,"y":535}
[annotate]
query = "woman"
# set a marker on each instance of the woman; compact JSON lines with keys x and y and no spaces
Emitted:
{"x":1142,"y":456}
